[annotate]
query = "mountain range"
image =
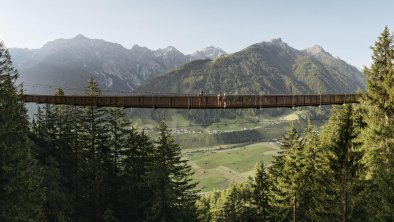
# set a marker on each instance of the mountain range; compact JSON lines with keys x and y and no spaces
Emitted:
{"x":271,"y":67}
{"x":264,"y":68}
{"x":69,"y":63}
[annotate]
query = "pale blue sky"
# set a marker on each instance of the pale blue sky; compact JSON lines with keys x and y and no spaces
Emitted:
{"x":344,"y":28}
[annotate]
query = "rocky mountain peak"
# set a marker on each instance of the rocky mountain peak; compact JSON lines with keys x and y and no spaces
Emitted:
{"x":138,"y":48}
{"x":170,"y":48}
{"x":80,"y":36}
{"x":278,"y":42}
{"x":210,"y":52}
{"x":316,"y":49}
{"x":169,"y":51}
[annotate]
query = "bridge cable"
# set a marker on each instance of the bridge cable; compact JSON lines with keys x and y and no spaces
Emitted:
{"x":188,"y":102}
{"x":293,"y":102}
{"x":153,"y":101}
{"x":260,"y":101}
{"x":320,"y":101}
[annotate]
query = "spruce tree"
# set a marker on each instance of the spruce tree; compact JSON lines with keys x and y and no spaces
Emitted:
{"x":21,"y":197}
{"x":285,"y":177}
{"x":134,"y":192}
{"x":260,"y":194}
{"x":204,"y":207}
{"x":169,"y":177}
{"x":293,"y":168}
{"x":117,"y":132}
{"x":378,"y":135}
{"x":97,"y":167}
{"x":52,"y":135}
{"x":57,"y":207}
{"x":313,"y":195}
{"x":343,"y":154}
{"x":76,"y":139}
{"x":233,"y":205}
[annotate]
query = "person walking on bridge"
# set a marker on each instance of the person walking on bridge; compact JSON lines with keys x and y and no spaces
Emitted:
{"x":219,"y":100}
{"x":200,"y":95}
{"x":224,"y":100}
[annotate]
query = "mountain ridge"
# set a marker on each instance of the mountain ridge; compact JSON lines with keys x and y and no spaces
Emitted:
{"x":274,"y":65}
{"x":69,"y":63}
{"x":271,"y":67}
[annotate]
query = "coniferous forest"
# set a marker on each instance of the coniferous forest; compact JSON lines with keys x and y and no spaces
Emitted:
{"x":85,"y":164}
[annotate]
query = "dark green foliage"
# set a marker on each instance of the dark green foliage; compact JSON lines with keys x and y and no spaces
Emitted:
{"x":286,"y":177}
{"x":377,"y":135}
{"x":169,"y":178}
{"x":97,"y":155}
{"x":21,"y":195}
{"x":232,"y":204}
{"x":313,"y":194}
{"x":98,"y":169}
{"x":315,"y":178}
{"x":235,"y":204}
{"x":57,"y":207}
{"x":134,"y":191}
{"x":118,"y":132}
{"x":55,"y":132}
{"x":260,"y":194}
{"x":343,"y":154}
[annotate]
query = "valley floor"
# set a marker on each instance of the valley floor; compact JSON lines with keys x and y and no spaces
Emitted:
{"x":218,"y":166}
{"x":227,"y":151}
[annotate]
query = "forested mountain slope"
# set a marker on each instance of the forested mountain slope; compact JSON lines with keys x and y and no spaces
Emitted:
{"x":264,"y":68}
{"x":267,"y":68}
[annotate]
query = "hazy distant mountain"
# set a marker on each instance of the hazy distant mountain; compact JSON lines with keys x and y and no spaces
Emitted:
{"x":70,"y":62}
{"x":267,"y":67}
{"x":171,"y":57}
{"x":207,"y":53}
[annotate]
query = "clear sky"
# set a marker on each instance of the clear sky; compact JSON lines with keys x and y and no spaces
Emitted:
{"x":345,"y":28}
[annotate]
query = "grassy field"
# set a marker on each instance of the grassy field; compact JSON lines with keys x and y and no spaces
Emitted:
{"x":217,"y":167}
{"x":228,"y":151}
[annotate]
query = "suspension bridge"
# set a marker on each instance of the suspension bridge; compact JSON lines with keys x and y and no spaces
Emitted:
{"x":186,"y":101}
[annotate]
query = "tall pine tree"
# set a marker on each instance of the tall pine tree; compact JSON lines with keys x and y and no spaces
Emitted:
{"x":313,"y":195}
{"x":21,"y":196}
{"x":260,"y":194}
{"x":285,"y":178}
{"x":135,"y":192}
{"x":378,"y":135}
{"x":95,"y":176}
{"x":170,"y":180}
{"x":344,"y":156}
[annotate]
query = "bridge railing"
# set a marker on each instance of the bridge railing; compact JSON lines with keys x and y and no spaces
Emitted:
{"x":197,"y":102}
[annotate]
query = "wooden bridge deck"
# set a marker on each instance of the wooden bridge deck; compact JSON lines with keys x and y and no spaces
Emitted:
{"x":196,"y":102}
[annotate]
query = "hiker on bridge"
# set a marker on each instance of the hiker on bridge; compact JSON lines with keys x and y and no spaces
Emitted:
{"x":200,"y":95}
{"x":224,"y":100}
